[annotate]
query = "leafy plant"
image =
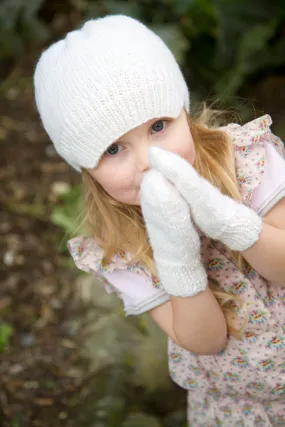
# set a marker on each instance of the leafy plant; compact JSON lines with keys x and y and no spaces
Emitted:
{"x":20,"y":25}
{"x":220,"y":44}
{"x":6,"y":332}
{"x":67,"y":214}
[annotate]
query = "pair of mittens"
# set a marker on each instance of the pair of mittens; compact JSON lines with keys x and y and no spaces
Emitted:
{"x":173,"y":195}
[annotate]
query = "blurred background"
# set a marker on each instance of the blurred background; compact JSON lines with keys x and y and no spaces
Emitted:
{"x":67,"y":355}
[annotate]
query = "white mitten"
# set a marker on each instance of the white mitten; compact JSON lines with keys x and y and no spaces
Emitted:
{"x":173,"y":238}
{"x":218,"y":216}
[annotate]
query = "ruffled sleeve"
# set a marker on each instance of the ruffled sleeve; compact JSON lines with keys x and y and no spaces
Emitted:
{"x":250,"y":143}
{"x":88,"y":257}
{"x":132,"y":282}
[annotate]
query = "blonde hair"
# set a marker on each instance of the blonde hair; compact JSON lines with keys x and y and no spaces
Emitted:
{"x":119,"y":227}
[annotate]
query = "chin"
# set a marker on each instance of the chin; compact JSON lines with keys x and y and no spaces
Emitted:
{"x":134,"y":199}
{"x":130,"y":202}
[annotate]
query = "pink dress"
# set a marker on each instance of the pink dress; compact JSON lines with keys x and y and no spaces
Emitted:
{"x":244,"y":385}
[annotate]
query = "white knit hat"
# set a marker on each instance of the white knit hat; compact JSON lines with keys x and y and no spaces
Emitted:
{"x":103,"y":80}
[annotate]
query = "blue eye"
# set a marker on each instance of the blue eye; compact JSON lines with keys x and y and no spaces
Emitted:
{"x":158,"y":126}
{"x":114,"y":149}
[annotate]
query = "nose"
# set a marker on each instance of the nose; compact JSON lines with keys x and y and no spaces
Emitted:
{"x":142,"y":160}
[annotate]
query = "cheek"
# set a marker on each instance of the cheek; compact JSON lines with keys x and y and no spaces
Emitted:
{"x":185,"y":148}
{"x":115,"y":181}
{"x":188,"y":153}
{"x":118,"y":182}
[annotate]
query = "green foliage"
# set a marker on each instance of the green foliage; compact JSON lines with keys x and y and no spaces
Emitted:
{"x":220,"y":44}
{"x":20,"y":25}
{"x":6,"y":332}
{"x":248,"y":41}
{"x":67,"y":214}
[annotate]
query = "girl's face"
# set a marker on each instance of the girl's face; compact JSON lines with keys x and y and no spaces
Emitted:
{"x":121,"y":168}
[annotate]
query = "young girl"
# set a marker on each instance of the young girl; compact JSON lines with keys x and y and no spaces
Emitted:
{"x":187,"y":219}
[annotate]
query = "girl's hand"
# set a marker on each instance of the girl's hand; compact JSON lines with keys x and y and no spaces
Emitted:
{"x":218,"y":216}
{"x":173,"y":238}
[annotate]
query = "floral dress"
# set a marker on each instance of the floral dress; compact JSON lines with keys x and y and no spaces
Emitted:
{"x":243,"y":385}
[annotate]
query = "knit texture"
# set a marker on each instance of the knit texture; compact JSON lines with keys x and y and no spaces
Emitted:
{"x":173,"y":237}
{"x":217,"y":215}
{"x":103,"y":80}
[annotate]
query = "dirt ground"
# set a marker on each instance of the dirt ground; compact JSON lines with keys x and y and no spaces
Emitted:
{"x":40,"y":369}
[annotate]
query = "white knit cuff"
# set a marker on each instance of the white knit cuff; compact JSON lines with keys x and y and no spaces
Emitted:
{"x":183,"y":280}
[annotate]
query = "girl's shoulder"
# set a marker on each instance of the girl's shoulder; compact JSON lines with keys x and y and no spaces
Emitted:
{"x":258,"y":152}
{"x":139,"y":290}
{"x":89,"y":257}
{"x":253,"y":134}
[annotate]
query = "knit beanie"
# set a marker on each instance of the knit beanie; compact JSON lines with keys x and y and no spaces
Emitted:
{"x":103,"y":80}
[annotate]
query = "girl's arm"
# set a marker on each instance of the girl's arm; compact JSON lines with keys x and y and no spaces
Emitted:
{"x":195,"y":323}
{"x":267,"y":255}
